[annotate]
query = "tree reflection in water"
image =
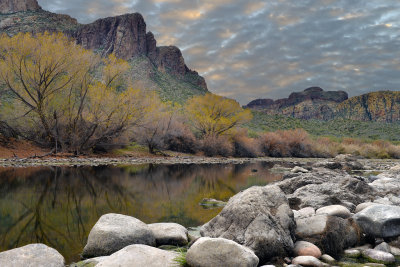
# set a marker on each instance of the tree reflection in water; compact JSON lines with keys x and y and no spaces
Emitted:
{"x":59,"y":205}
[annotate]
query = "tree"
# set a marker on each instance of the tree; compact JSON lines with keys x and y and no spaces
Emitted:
{"x":213,"y":115}
{"x":63,"y":95}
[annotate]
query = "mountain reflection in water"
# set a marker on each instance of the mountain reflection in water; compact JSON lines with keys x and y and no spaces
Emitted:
{"x":59,"y":205}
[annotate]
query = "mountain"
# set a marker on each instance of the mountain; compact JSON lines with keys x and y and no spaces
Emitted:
{"x":315,"y":103}
{"x":382,"y":106}
{"x":312,"y":103}
{"x":159,"y":68}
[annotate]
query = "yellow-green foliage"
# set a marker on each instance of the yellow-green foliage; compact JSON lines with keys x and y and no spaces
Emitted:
{"x":213,"y":115}
{"x":66,"y":94}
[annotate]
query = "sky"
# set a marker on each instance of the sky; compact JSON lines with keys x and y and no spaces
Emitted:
{"x":268,"y":49}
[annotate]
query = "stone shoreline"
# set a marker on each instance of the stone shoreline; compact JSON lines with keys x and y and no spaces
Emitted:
{"x":369,"y":164}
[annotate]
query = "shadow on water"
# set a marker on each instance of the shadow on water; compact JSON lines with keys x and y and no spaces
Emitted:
{"x":59,"y":205}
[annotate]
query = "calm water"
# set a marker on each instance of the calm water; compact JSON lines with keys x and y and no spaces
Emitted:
{"x":58,"y":206}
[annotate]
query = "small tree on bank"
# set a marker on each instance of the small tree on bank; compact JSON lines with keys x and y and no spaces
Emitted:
{"x":213,"y":115}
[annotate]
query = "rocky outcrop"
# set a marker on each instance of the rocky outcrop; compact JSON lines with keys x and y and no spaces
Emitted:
{"x":383,"y":106}
{"x":312,"y":103}
{"x":12,"y":6}
{"x":33,"y":255}
{"x":124,"y":35}
{"x":259,"y":218}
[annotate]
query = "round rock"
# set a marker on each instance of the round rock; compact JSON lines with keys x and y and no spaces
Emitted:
{"x":113,"y":232}
{"x":307,"y":261}
{"x":352,"y":253}
{"x":335,"y":210}
{"x":378,"y":256}
{"x":220,"y":252}
{"x":33,"y":255}
{"x":362,"y":206}
{"x":169,"y":234}
{"x":139,"y":256}
{"x":304,"y":248}
{"x":327,"y":258}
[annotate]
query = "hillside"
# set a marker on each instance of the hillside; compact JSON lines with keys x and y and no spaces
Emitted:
{"x":160,"y":68}
{"x":316,"y":104}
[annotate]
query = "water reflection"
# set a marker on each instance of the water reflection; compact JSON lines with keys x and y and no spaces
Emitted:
{"x":58,"y":206}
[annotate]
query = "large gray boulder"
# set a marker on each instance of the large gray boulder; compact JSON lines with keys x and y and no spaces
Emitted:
{"x":169,"y":234}
{"x":221,"y":252}
{"x":113,"y":232}
{"x":259,"y":218}
{"x":331,"y":234}
{"x":139,"y":256}
{"x":380,"y":220}
{"x":324,"y":187}
{"x":33,"y":255}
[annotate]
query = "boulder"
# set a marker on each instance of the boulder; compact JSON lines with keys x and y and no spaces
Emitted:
{"x":259,"y":218}
{"x":378,"y":256}
{"x":363,"y":205}
{"x":335,"y":210}
{"x":139,"y":256}
{"x":220,"y":252}
{"x":383,"y":247}
{"x":380,"y":220}
{"x":307,"y":261}
{"x":33,"y":255}
{"x":304,"y":248}
{"x":386,"y":185}
{"x":298,"y":169}
{"x":329,"y":233}
{"x":113,"y":232}
{"x":169,"y":234}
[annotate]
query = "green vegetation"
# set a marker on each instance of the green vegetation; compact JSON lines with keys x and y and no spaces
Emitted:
{"x":180,"y":260}
{"x":338,"y":128}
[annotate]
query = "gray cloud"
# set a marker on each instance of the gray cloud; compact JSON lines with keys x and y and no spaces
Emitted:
{"x":253,"y":49}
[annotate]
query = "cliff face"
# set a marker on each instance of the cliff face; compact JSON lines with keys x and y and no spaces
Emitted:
{"x":383,"y":106}
{"x":312,"y":103}
{"x":11,"y":6}
{"x":123,"y":35}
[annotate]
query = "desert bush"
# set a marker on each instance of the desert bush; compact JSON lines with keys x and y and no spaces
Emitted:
{"x":245,"y":146}
{"x":212,"y":145}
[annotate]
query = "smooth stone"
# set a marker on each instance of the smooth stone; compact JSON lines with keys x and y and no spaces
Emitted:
{"x":364,"y":205}
{"x":307,"y":261}
{"x":89,"y":262}
{"x":304,"y":248}
{"x":395,"y":251}
{"x":298,"y":169}
{"x":113,"y":232}
{"x":335,"y":210}
{"x":259,"y":218}
{"x":352,"y":253}
{"x":378,"y":256}
{"x":32,"y":255}
{"x":305,"y":212}
{"x":380,"y":220}
{"x":221,"y":252}
{"x":139,"y":256}
{"x":383,"y":247}
{"x":327,"y":258}
{"x":329,"y":233}
{"x":169,"y":234}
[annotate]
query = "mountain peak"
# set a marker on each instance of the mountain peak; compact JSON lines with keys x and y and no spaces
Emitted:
{"x":12,"y":6}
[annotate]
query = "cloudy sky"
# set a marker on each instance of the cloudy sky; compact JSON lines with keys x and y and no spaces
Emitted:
{"x":267,"y":49}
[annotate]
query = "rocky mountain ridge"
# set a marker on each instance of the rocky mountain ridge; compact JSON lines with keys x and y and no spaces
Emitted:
{"x":125,"y":35}
{"x":315,"y":103}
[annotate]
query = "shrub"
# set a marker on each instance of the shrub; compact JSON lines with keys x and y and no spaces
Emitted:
{"x":213,"y":145}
